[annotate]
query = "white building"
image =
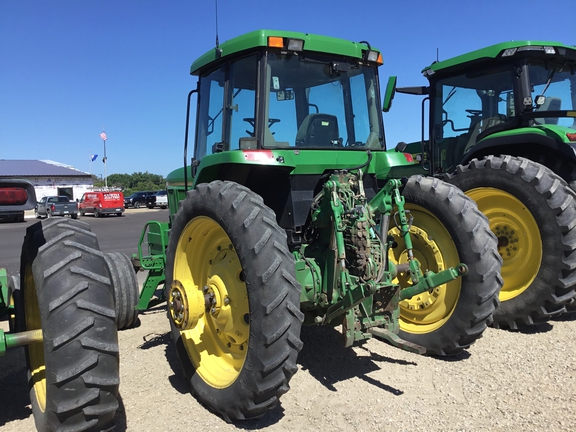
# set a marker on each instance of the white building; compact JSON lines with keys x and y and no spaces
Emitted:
{"x":48,"y":177}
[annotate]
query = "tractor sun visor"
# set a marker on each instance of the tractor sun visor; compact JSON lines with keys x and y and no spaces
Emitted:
{"x":286,"y":43}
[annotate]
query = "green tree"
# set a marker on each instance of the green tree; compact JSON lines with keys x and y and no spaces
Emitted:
{"x":135,"y":182}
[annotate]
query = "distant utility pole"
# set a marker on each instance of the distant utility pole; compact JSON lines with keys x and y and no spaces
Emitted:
{"x":104,"y":159}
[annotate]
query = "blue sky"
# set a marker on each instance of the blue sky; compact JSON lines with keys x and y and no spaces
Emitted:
{"x":68,"y":67}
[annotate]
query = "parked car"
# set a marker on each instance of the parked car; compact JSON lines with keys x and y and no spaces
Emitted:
{"x":102,"y":203}
{"x":159,"y":199}
{"x":137,"y":199}
{"x":56,"y":206}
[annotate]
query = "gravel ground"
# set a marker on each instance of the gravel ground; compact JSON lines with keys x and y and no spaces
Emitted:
{"x":507,"y":381}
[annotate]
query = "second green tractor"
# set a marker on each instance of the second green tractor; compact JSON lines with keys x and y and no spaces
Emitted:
{"x":502,"y":127}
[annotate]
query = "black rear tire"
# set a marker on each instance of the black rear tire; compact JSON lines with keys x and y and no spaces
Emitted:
{"x":448,"y":229}
{"x":126,"y":290}
{"x":65,"y":290}
{"x":137,"y":204}
{"x":235,"y":240}
{"x":532,"y":211}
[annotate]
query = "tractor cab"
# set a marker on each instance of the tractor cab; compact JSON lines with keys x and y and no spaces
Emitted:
{"x":518,"y":96}
{"x":283,"y":90}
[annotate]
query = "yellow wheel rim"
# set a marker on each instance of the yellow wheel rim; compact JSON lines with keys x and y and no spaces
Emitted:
{"x":519,"y":241}
{"x":208,"y":302}
{"x":35,"y":350}
{"x":434,"y":249}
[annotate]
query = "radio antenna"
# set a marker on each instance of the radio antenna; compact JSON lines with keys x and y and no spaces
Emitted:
{"x":217,"y":43}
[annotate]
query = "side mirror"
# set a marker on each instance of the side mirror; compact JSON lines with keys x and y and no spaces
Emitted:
{"x":282,"y":95}
{"x":389,"y":95}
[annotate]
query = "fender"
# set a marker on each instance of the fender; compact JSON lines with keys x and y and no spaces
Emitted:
{"x":526,"y":138}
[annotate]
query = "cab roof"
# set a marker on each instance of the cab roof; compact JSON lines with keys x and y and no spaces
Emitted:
{"x":259,"y":38}
{"x":496,"y":51}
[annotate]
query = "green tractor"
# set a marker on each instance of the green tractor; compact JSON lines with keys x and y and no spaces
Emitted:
{"x":290,"y":213}
{"x":502,"y":127}
{"x":61,"y":309}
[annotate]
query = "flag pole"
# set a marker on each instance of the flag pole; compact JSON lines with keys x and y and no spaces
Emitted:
{"x":104,"y":159}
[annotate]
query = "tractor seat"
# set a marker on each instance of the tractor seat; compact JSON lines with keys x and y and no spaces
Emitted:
{"x":318,"y":130}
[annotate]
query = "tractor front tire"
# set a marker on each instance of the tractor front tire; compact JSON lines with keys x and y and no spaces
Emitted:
{"x":233,"y":300}
{"x":447,"y":229}
{"x":532,"y":211}
{"x":66,"y":292}
{"x":126,"y":290}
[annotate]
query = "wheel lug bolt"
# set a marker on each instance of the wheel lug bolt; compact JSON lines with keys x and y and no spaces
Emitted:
{"x":226,"y":300}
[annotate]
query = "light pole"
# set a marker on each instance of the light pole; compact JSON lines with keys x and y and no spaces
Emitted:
{"x":104,"y":138}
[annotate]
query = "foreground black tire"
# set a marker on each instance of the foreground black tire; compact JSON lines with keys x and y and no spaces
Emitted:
{"x":233,"y":300}
{"x":65,"y":291}
{"x":532,"y":211}
{"x":447,"y":229}
{"x":126,"y":290}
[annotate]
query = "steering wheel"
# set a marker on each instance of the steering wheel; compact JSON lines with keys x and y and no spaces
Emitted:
{"x":252,"y":122}
{"x":474,"y":112}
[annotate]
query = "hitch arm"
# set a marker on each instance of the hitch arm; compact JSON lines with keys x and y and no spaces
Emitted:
{"x":431,"y":280}
{"x":9,"y":340}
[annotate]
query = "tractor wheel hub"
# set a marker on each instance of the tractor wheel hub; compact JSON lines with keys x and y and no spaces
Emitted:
{"x":186,"y":303}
